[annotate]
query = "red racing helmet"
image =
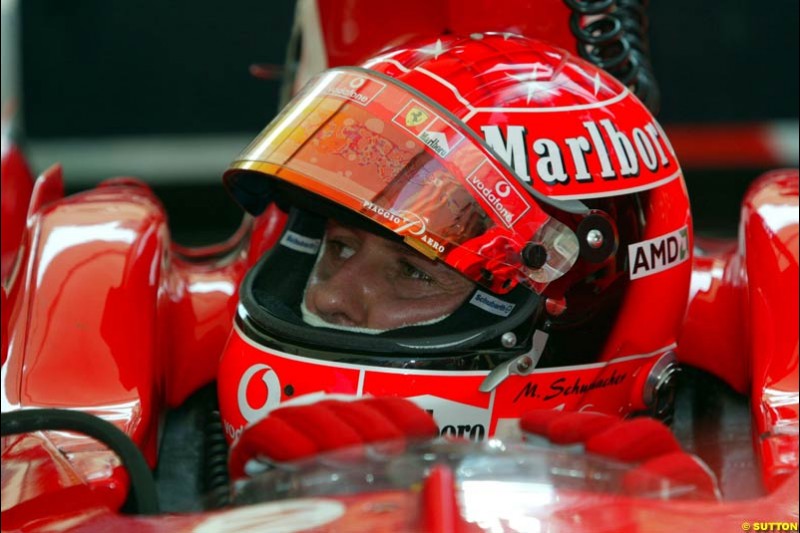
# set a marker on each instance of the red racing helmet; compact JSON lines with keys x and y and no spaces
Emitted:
{"x":530,"y":172}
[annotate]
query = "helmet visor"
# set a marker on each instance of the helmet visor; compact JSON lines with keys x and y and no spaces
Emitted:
{"x":382,"y":150}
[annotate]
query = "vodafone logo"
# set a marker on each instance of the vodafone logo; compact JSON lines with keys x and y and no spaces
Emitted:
{"x":496,"y":190}
{"x":356,"y":88}
{"x":502,"y":189}
{"x":272,"y":385}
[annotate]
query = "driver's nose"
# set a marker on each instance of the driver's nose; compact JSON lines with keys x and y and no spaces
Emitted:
{"x":343,"y":298}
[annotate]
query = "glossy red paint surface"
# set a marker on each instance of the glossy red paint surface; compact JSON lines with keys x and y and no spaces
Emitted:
{"x":105,"y":315}
{"x":203,"y":288}
{"x":17,"y":185}
{"x":769,"y":240}
{"x":134,"y":389}
{"x":713,"y":336}
{"x":350,"y":35}
{"x":37,"y":477}
{"x":742,"y":319}
{"x":534,"y":508}
{"x":83,"y":310}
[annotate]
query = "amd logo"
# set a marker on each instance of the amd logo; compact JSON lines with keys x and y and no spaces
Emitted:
{"x":659,"y":254}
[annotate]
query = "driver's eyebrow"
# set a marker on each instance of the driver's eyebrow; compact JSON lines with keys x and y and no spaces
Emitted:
{"x":407,"y":251}
{"x":398,"y":247}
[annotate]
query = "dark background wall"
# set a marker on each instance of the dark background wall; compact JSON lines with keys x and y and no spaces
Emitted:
{"x":132,"y":68}
{"x":726,"y":60}
{"x":94,"y":69}
{"x":116,"y":68}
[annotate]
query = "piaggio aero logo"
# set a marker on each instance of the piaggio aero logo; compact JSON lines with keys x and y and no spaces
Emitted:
{"x":404,"y":222}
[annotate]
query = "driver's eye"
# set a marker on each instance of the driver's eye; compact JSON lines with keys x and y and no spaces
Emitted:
{"x":340,"y":250}
{"x":409,"y":271}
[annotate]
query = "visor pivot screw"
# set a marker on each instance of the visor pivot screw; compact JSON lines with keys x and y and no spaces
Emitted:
{"x":597,"y":236}
{"x":555,"y":306}
{"x":508,"y":340}
{"x":524,"y":364}
{"x":534,"y":255}
{"x":594,"y":238}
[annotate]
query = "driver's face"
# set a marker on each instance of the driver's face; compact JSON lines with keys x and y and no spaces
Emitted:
{"x":366,"y":281}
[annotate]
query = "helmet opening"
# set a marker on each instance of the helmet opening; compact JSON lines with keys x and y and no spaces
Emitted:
{"x":272,"y":292}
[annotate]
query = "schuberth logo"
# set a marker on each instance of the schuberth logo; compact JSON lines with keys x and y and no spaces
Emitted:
{"x":574,"y":158}
{"x":300,"y":243}
{"x":659,"y":254}
{"x":493,"y":305}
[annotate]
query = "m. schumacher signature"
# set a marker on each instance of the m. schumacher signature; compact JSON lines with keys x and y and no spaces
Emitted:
{"x":562,"y":387}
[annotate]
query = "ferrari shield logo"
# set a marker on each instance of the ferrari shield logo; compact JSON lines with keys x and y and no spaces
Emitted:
{"x":415,"y":117}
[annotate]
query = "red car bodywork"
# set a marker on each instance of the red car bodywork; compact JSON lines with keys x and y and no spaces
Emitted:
{"x":102,"y":313}
{"x":105,"y":315}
